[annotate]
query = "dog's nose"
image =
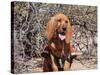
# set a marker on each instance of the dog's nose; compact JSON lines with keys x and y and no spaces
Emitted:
{"x":64,"y":29}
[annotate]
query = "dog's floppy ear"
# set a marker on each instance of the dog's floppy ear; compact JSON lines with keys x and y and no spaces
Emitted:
{"x":68,"y":33}
{"x":50,"y":30}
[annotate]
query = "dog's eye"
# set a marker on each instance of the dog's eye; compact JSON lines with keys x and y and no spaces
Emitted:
{"x":59,"y":20}
{"x":66,"y":21}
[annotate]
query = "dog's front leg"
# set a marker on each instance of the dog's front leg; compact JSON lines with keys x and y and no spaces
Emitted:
{"x":66,"y":65}
{"x":54,"y":67}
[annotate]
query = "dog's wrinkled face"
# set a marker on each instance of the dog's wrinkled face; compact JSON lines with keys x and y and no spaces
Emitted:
{"x":60,"y":25}
{"x":62,"y":22}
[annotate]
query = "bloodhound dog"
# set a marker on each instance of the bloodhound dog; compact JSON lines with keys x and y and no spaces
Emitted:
{"x":57,"y":51}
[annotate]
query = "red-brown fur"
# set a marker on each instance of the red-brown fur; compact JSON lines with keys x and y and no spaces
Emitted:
{"x":56,"y":46}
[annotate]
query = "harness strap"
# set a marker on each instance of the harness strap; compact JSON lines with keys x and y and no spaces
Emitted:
{"x":60,"y":62}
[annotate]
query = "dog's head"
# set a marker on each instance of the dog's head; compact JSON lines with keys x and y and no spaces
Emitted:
{"x":59,"y":25}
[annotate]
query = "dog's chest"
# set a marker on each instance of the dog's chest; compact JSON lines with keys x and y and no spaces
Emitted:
{"x":59,"y":44}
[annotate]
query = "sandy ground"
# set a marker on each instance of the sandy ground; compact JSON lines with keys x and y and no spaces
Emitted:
{"x":76,"y":65}
{"x":35,"y":66}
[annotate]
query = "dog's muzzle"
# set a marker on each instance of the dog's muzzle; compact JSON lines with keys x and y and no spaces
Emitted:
{"x":62,"y":33}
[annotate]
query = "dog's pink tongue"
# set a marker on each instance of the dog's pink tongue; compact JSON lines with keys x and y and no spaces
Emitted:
{"x":62,"y":37}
